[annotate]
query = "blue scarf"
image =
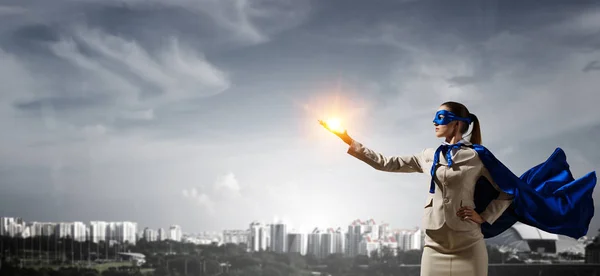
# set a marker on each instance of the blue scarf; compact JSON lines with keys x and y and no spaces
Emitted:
{"x":445,"y":149}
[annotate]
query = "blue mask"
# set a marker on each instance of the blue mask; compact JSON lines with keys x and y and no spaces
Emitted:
{"x":444,"y":117}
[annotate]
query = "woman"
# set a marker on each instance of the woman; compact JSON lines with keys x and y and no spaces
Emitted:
{"x":454,"y":243}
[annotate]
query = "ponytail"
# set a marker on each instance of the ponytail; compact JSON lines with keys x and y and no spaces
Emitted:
{"x":476,"y":132}
{"x":462,"y":111}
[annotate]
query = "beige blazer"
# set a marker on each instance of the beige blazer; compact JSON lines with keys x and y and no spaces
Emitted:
{"x":455,"y":186}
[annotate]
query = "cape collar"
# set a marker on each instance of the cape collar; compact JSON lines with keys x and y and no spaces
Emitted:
{"x":462,"y":141}
{"x":458,"y":156}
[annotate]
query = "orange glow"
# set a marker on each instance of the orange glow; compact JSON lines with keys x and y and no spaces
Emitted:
{"x":335,"y":109}
{"x":335,"y":125}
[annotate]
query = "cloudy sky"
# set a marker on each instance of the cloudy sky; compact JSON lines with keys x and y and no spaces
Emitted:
{"x":204,"y":113}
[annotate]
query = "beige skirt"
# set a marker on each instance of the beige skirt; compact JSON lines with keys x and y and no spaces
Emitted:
{"x":451,"y":253}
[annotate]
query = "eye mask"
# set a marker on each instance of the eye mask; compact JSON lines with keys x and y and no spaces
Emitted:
{"x":444,"y":117}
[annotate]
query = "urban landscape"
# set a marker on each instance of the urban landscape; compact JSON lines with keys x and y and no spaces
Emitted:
{"x":363,"y":247}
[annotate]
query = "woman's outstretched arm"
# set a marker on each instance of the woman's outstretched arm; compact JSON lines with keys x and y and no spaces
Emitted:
{"x":405,"y":164}
{"x":402,"y":164}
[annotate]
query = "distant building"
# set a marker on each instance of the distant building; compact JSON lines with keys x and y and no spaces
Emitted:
{"x":332,"y":242}
{"x":137,"y":259}
{"x":410,"y":239}
{"x":150,"y":235}
{"x":259,"y":237}
{"x":235,"y":236}
{"x":279,"y":238}
{"x":78,"y":232}
{"x":11,"y":227}
{"x":524,"y":238}
{"x":357,"y":230}
{"x":314,"y":243}
{"x":297,"y":243}
{"x":98,"y":231}
{"x":175,"y":233}
{"x":162,"y":234}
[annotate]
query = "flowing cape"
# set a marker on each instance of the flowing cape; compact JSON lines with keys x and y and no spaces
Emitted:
{"x":546,"y":196}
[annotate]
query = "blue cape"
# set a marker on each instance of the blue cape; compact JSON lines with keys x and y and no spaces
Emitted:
{"x":546,"y":196}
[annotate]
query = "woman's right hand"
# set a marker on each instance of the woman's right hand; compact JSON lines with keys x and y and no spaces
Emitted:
{"x":339,"y":133}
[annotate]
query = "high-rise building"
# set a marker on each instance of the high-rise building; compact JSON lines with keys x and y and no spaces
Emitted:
{"x":297,"y":243}
{"x":314,"y":243}
{"x":12,"y":227}
{"x":259,"y":237}
{"x":384,"y":230}
{"x":279,"y":238}
{"x":162,"y":234}
{"x":5,"y":224}
{"x":111,"y":232}
{"x":121,"y":232}
{"x":326,"y":243}
{"x":339,"y":241}
{"x":175,"y":233}
{"x":125,"y":232}
{"x":64,"y":230}
{"x":332,"y":242}
{"x":88,"y":233}
{"x":410,"y":239}
{"x":356,"y":230}
{"x":78,"y":231}
{"x":150,"y":235}
{"x":35,"y":228}
{"x":48,"y":229}
{"x":98,"y":231}
{"x":367,"y":245}
{"x":418,"y":239}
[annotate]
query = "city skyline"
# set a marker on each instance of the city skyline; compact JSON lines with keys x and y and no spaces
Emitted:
{"x":140,"y":229}
{"x":205,"y":112}
{"x":362,"y":237}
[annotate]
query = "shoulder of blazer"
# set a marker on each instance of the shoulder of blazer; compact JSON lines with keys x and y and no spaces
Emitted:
{"x":428,"y":155}
{"x":465,"y":154}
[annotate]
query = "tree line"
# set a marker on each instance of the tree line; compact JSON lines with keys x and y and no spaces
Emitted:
{"x":36,"y":256}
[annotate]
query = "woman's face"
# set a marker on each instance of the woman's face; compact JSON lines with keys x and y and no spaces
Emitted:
{"x":445,"y":130}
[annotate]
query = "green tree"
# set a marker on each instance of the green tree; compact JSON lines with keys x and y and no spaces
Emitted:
{"x":272,"y":271}
{"x":412,"y":257}
{"x":337,"y":264}
{"x":387,"y":256}
{"x":311,"y":259}
{"x":161,"y":271}
{"x":248,"y":271}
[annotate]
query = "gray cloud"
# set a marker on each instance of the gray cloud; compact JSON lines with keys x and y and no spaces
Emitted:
{"x":148,"y":110}
{"x":592,"y":66}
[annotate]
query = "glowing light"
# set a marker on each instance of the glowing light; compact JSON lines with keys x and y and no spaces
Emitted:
{"x":335,"y":125}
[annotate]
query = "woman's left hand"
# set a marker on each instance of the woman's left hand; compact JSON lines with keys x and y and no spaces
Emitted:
{"x":467,"y":213}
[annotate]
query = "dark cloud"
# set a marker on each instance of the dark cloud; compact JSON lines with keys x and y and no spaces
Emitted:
{"x":62,"y":103}
{"x":166,"y":97}
{"x":592,"y":66}
{"x":35,"y":32}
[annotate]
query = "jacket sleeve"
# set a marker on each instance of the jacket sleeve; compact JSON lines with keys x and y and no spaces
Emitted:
{"x":497,"y":206}
{"x":402,"y":164}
